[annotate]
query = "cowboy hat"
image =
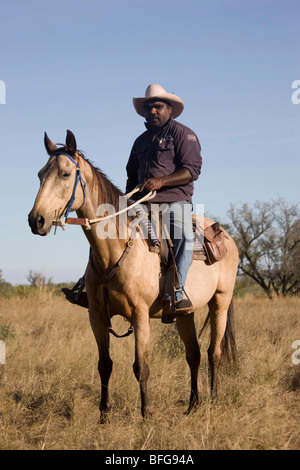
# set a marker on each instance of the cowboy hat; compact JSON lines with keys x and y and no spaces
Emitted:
{"x":157,"y":92}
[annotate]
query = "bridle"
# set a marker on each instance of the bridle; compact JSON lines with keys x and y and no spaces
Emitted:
{"x":78,"y":178}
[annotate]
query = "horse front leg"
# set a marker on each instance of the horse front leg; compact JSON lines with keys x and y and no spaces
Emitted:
{"x":141,"y":366}
{"x":105,"y":363}
{"x":187,"y":331}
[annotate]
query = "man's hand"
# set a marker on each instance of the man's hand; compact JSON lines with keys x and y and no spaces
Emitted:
{"x":178,"y":178}
{"x":152,"y":184}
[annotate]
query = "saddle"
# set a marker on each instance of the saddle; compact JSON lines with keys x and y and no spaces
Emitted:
{"x":209,"y":243}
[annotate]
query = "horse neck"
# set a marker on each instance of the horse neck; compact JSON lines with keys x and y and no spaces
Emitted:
{"x":100,"y":195}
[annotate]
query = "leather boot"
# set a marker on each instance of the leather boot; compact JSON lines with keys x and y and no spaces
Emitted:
{"x":73,"y":297}
{"x":183,"y":307}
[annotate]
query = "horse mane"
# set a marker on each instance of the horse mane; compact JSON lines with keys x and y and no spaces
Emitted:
{"x":108,"y":193}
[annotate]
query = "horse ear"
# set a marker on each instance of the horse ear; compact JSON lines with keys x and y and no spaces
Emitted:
{"x":71,"y":143}
{"x":50,"y":146}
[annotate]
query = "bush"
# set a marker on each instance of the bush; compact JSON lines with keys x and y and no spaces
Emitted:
{"x":38,"y":284}
{"x":6,"y":332}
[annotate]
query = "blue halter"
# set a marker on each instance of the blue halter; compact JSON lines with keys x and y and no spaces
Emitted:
{"x":78,"y":178}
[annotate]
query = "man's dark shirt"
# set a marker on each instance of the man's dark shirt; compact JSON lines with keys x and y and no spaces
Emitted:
{"x":153,"y":155}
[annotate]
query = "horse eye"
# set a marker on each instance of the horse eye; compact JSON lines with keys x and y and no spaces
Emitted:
{"x":65,"y":175}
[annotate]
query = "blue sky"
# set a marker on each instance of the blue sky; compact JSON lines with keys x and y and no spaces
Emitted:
{"x":77,"y":65}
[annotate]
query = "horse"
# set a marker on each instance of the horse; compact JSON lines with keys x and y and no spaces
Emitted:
{"x":123,"y":278}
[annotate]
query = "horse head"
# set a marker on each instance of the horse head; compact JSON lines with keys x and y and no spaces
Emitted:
{"x":59,"y":189}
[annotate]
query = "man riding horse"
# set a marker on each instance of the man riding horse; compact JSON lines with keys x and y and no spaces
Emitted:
{"x":166,"y":158}
{"x":122,"y":276}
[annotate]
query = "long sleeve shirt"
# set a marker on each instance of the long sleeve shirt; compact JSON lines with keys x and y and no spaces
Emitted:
{"x":160,"y":154}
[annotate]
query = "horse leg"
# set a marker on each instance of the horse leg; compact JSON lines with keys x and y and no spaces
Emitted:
{"x":187,"y":332}
{"x":218,"y":307}
{"x":140,"y":366}
{"x":105,"y":363}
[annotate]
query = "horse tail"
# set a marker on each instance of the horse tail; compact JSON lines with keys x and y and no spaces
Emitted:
{"x":228,"y":345}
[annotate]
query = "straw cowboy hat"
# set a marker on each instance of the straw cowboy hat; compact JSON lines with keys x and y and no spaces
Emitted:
{"x":157,"y":92}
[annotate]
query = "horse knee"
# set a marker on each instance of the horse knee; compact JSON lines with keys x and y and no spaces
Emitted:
{"x":141,"y":371}
{"x":105,"y":369}
{"x":193,"y":357}
{"x":214,"y":356}
{"x":187,"y":332}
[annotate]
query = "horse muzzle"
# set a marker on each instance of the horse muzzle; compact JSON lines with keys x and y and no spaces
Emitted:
{"x":38,"y":224}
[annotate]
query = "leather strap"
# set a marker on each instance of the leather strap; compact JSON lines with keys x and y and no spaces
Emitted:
{"x":104,"y":284}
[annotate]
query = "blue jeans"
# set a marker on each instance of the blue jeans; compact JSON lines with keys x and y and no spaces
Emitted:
{"x":179,"y":215}
{"x":177,"y":219}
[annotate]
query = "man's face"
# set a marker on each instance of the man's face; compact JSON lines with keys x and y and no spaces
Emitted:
{"x":157,"y":113}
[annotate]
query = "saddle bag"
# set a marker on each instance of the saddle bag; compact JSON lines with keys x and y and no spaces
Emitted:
{"x":214,"y":243}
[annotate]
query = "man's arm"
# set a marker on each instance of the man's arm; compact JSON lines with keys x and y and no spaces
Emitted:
{"x":132,"y":169}
{"x":178,"y":178}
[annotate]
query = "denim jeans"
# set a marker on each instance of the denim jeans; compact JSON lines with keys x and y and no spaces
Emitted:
{"x":177,"y":219}
{"x":181,"y":231}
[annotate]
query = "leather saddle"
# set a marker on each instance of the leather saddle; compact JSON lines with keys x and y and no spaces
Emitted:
{"x":209,"y":243}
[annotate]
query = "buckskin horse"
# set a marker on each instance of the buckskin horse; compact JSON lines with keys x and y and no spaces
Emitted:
{"x":68,"y":182}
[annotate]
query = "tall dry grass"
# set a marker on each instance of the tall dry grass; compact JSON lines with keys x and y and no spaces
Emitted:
{"x":49,"y":386}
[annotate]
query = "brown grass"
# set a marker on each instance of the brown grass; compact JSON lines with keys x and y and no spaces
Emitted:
{"x":49,"y":386}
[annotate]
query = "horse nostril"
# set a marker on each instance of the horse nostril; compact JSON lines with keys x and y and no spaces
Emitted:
{"x":40,"y":222}
{"x":37,"y":223}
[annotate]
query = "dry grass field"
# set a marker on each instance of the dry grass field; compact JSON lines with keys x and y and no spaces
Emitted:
{"x":49,"y":386}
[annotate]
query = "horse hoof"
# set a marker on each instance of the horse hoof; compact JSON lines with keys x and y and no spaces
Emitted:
{"x":147,"y":414}
{"x":103,"y":419}
{"x":104,"y":415}
{"x":193,"y":406}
